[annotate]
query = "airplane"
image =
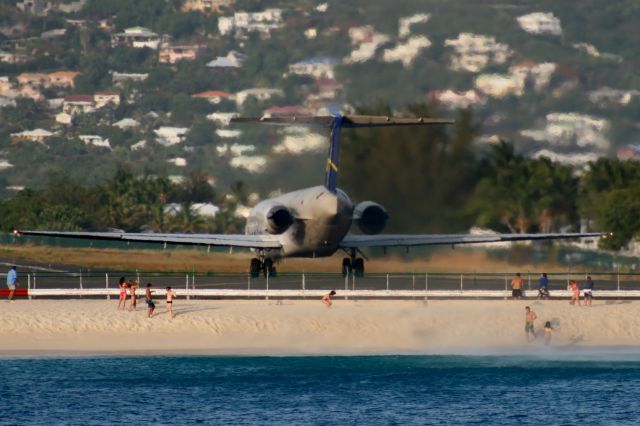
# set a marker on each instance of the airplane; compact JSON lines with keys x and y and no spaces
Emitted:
{"x":315,"y":221}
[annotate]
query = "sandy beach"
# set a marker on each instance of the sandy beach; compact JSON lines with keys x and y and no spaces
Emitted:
{"x":267,"y":327}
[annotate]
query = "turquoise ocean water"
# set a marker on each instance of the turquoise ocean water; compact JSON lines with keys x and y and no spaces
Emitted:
{"x":395,"y":390}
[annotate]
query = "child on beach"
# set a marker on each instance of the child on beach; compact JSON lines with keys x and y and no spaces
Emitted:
{"x":122,"y":285}
{"x":170,"y":296}
{"x":326,"y":299}
{"x":150,"y":305}
{"x":575,"y":296}
{"x":547,"y":332}
{"x":529,"y":318}
{"x":133,"y":286}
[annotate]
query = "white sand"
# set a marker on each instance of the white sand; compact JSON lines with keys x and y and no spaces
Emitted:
{"x":308,"y":327}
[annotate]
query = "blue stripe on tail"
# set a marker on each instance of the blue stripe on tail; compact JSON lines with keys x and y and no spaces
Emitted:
{"x":333,"y":158}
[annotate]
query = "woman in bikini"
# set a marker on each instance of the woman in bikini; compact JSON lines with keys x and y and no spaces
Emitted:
{"x":122,"y":285}
{"x":547,"y":332}
{"x":170,"y":296}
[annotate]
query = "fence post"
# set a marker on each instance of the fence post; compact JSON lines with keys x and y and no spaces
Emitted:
{"x":29,"y":285}
{"x":186,"y":286}
{"x":426,"y":287}
{"x":267,"y":294}
{"x":461,"y":283}
{"x":618,"y":277}
{"x":249,"y":281}
{"x":303,"y":282}
{"x":505,"y":285}
{"x":346,"y":282}
{"x":80,"y":279}
{"x":106,"y":285}
{"x":193,"y":280}
{"x":387,"y":282}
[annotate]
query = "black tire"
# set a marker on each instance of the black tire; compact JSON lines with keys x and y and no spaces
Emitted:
{"x":268,"y":268}
{"x":346,"y":266}
{"x":358,"y":267}
{"x":254,"y":269}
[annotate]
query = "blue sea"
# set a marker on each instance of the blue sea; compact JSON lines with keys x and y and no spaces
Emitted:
{"x":387,"y":390}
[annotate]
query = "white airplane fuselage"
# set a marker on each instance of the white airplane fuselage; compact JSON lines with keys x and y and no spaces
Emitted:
{"x":320,"y":220}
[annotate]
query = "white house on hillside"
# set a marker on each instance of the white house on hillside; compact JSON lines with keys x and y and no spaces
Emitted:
{"x":233,"y":59}
{"x":540,"y":23}
{"x":366,"y":41}
{"x":167,"y":136}
{"x":499,"y":85}
{"x":473,"y":52}
{"x":573,"y":130}
{"x":319,"y":67}
{"x":138,"y":38}
{"x":37,"y":135}
{"x":406,"y":52}
{"x":452,"y":99}
{"x":95,"y":140}
{"x":242,"y":22}
{"x":404,"y":24}
{"x":261,"y":94}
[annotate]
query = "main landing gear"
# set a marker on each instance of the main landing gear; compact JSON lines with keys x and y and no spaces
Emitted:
{"x":264,"y":265}
{"x":353,"y":264}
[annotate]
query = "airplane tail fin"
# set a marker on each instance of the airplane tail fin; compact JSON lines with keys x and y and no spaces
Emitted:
{"x":336,"y":123}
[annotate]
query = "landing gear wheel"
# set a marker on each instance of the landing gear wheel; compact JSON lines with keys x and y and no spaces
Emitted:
{"x":255,"y":267}
{"x":358,"y":267}
{"x":346,"y":266}
{"x":269,"y":269}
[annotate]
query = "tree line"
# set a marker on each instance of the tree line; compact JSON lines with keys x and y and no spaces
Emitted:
{"x":129,"y":202}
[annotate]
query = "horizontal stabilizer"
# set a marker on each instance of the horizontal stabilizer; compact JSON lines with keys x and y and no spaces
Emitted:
{"x":348,"y":121}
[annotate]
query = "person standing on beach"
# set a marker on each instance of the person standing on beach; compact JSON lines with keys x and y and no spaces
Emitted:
{"x":170,"y":296}
{"x":575,"y":292}
{"x":516,"y":286}
{"x":12,"y":282}
{"x":122,"y":285}
{"x":587,"y":289}
{"x":133,"y":286}
{"x":326,"y":299}
{"x":529,"y":318}
{"x":150,"y":305}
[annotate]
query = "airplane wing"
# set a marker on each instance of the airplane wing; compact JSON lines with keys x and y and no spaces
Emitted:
{"x":394,"y":240}
{"x":228,"y":240}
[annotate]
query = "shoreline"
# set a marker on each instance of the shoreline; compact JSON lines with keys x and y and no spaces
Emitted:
{"x":90,"y":328}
